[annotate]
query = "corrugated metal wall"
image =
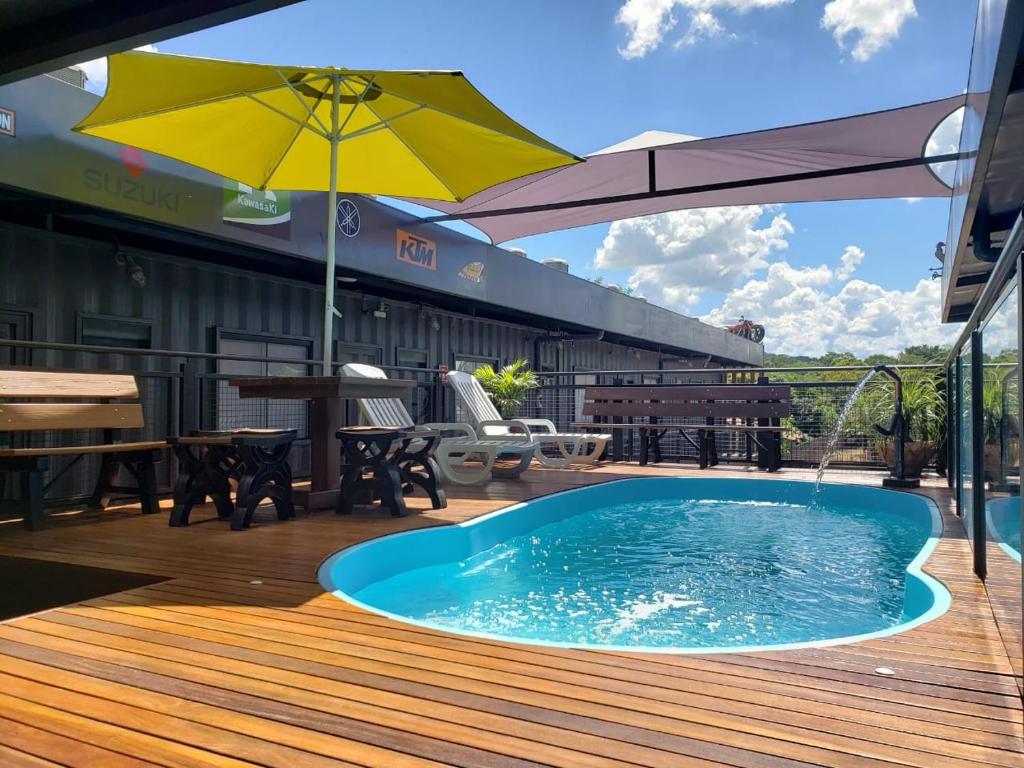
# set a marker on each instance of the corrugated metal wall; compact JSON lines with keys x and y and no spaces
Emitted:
{"x":55,"y":278}
{"x":51,"y":279}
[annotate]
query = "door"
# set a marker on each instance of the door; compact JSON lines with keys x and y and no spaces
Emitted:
{"x":233,"y":412}
{"x":15,"y":326}
{"x":367,"y":354}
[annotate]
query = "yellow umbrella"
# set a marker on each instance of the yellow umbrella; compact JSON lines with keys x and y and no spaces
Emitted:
{"x":404,"y":134}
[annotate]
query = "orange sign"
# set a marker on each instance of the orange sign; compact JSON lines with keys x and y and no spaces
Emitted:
{"x":415,"y":250}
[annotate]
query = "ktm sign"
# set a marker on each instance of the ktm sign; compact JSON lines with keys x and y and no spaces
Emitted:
{"x":6,"y":122}
{"x":416,"y":250}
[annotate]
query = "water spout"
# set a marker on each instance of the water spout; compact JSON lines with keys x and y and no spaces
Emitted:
{"x":837,"y":430}
{"x":899,"y":431}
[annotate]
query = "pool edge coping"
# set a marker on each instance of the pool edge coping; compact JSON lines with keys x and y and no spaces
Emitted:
{"x":942,"y":598}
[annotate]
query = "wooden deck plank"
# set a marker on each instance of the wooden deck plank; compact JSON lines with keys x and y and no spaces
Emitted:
{"x":210,"y":667}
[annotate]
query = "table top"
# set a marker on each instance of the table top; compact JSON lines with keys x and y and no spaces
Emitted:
{"x":315,"y":387}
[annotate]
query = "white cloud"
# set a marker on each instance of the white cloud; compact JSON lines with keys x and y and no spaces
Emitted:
{"x":848,"y":262}
{"x":96,"y":70}
{"x":873,"y":23}
{"x":649,"y":21}
{"x":676,"y":256}
{"x":703,"y":25}
{"x":803,"y":317}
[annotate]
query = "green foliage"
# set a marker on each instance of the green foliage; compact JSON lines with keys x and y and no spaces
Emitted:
{"x":818,"y":408}
{"x":924,"y":404}
{"x":923,"y":353}
{"x":507,"y":387}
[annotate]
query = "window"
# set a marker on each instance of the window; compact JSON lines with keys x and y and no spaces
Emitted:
{"x":472,"y":363}
{"x":410,"y":358}
{"x":346,"y":352}
{"x":110,"y":331}
{"x":233,"y":412}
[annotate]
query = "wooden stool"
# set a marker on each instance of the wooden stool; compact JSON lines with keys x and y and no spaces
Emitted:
{"x":256,"y":459}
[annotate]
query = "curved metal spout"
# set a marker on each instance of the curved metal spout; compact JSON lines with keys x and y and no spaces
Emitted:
{"x":896,"y":380}
{"x":899,"y":430}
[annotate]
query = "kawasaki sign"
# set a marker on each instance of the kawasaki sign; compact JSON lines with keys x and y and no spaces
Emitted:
{"x":270,"y":211}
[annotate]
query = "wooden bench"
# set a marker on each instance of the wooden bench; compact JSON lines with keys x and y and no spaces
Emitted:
{"x":33,"y":400}
{"x":743,"y":403}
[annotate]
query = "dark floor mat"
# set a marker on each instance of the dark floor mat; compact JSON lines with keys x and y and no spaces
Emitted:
{"x":35,"y":585}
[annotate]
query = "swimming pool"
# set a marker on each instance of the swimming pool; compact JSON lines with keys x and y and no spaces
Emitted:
{"x":680,"y":565}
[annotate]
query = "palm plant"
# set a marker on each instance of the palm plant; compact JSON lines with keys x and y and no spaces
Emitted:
{"x":508,"y":387}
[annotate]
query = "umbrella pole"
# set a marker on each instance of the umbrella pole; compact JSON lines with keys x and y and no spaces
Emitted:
{"x":332,"y":225}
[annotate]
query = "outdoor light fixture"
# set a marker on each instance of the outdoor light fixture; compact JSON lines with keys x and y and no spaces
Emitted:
{"x":429,"y":317}
{"x":135,"y":272}
{"x":346,"y":279}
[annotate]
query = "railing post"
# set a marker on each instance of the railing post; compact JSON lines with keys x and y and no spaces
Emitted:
{"x":952,"y":459}
{"x":617,"y":433}
{"x":978,"y":527}
{"x":190,"y":397}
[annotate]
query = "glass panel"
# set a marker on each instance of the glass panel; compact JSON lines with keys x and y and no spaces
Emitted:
{"x":966,"y":442}
{"x":472,"y":364}
{"x":232,"y":411}
{"x":1001,"y":434}
{"x":288,"y":351}
{"x":116,"y":332}
{"x":410,"y":358}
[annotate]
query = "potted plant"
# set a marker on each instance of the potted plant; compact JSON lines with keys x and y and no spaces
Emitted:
{"x":999,"y":428}
{"x":924,"y":406}
{"x":507,"y":388}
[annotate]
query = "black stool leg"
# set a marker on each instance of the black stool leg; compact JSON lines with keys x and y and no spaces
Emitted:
{"x":265,"y":474}
{"x":105,"y":482}
{"x":198,"y":478}
{"x":147,"y":486}
{"x":31,"y":503}
{"x":388,"y":483}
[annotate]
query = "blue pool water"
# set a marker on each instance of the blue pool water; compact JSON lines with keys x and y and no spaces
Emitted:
{"x":662,"y":564}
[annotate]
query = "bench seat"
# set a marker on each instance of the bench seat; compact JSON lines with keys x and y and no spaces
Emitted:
{"x":74,"y":450}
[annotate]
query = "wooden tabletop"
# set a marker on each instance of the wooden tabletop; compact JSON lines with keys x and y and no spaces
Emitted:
{"x":312,"y":387}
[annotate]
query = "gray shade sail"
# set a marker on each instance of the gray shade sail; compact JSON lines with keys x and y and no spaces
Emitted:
{"x":874,"y":155}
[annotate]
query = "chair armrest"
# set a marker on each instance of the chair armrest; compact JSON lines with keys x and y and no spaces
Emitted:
{"x":463,"y":430}
{"x":504,"y":427}
{"x":547,"y":425}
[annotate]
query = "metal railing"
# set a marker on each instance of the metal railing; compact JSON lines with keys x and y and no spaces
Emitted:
{"x":182,"y":391}
{"x":819,"y":394}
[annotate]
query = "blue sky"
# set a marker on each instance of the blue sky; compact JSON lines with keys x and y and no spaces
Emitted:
{"x":590,"y":73}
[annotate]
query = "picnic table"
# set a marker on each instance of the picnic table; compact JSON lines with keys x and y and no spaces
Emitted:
{"x":326,"y":414}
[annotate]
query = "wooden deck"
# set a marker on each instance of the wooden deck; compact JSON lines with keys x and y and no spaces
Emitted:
{"x":212,"y":668}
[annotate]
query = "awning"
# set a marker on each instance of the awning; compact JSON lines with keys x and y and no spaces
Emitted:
{"x":875,"y":155}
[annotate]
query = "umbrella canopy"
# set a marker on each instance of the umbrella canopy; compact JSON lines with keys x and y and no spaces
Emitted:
{"x":428,"y":135}
{"x":874,"y":155}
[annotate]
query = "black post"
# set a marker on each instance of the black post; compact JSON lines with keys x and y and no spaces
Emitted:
{"x":617,"y":433}
{"x":958,"y":427}
{"x":190,"y":398}
{"x":978,"y":528}
{"x":952,"y":466}
{"x":763,"y":460}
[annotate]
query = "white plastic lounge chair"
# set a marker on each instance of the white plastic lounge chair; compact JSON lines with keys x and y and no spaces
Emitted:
{"x":451,"y":451}
{"x":573,"y":447}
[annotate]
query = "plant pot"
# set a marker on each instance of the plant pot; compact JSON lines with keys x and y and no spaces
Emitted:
{"x":916,"y":456}
{"x":992,"y":462}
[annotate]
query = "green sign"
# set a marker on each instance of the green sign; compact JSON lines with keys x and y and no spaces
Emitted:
{"x":270,"y":211}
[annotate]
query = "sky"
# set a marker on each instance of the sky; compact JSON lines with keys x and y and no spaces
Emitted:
{"x":585,"y":74}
